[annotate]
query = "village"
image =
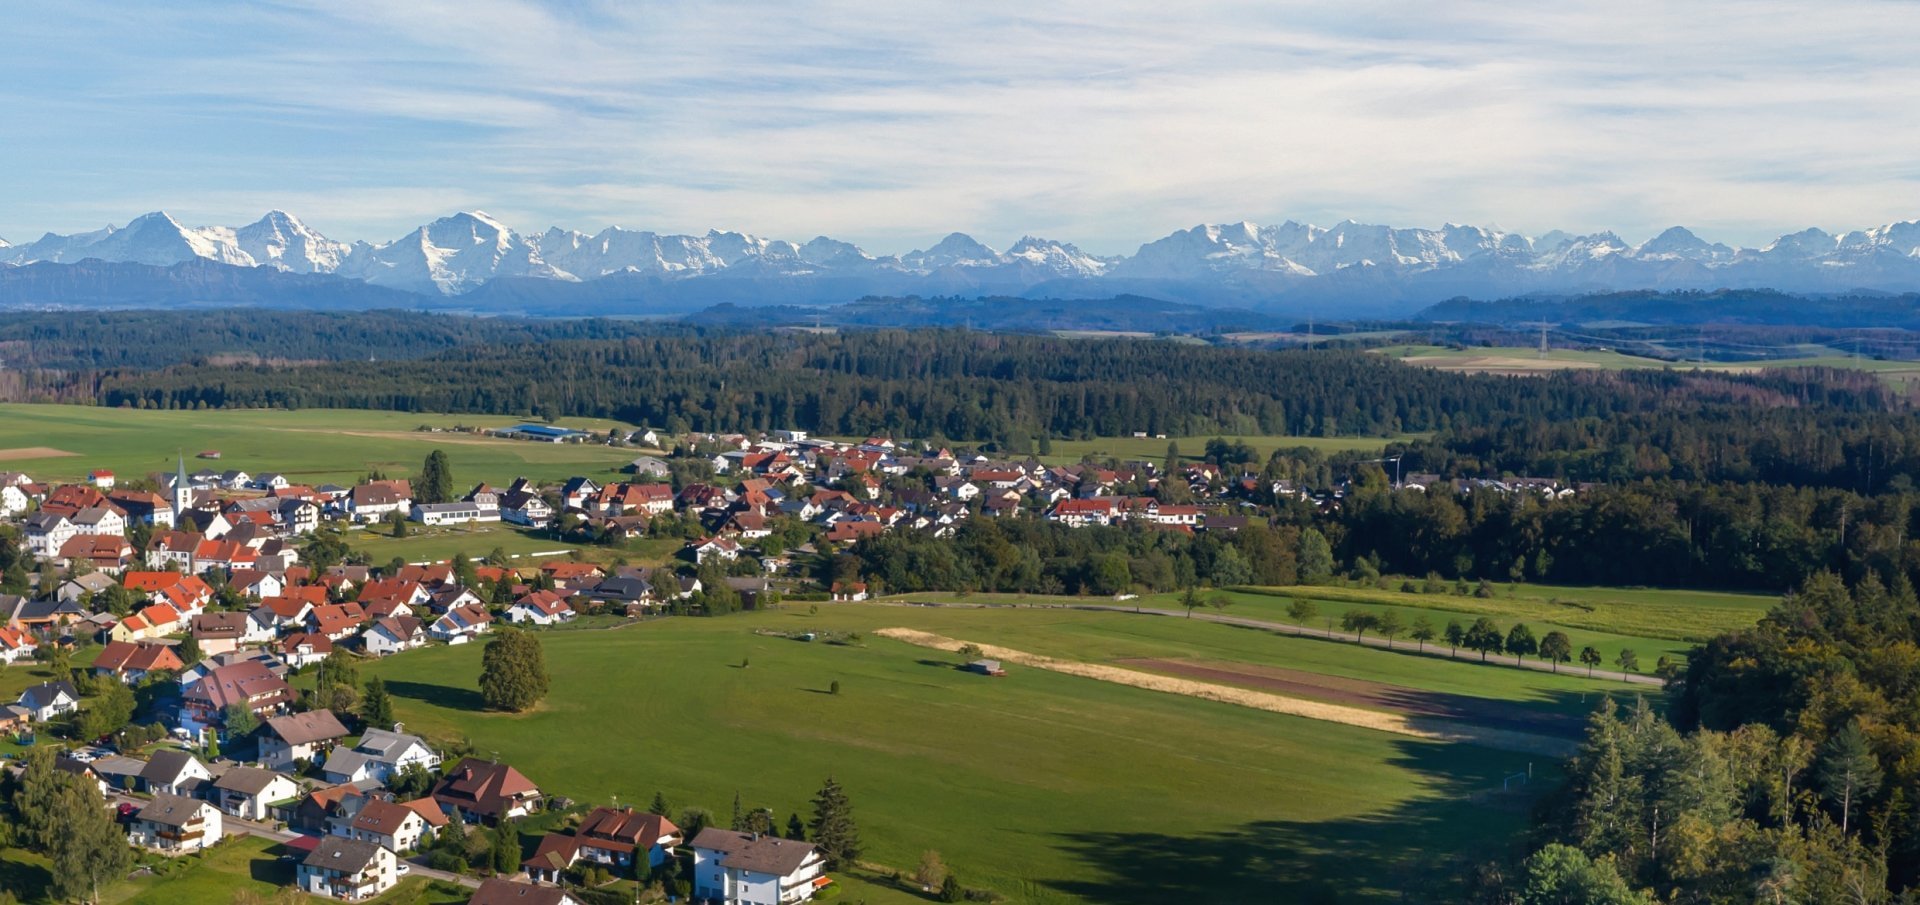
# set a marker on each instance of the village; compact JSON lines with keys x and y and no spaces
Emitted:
{"x":211,"y":589}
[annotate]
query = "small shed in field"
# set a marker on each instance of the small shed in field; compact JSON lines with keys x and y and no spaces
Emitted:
{"x":986,"y":667}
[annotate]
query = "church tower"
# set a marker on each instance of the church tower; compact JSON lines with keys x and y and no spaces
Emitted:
{"x":182,"y":492}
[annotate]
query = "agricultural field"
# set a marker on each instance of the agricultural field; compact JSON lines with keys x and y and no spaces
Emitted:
{"x":1653,"y":622}
{"x":1117,"y":786}
{"x":1517,"y":360}
{"x":440,"y":544}
{"x":1194,"y":448}
{"x":64,"y":442}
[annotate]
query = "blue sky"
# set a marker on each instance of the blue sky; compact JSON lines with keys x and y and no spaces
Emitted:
{"x":890,"y":124}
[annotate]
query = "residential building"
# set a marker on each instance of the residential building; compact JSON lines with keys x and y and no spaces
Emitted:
{"x":462,"y":624}
{"x":347,"y":869}
{"x":380,"y":754}
{"x":299,"y":737}
{"x":175,"y":825}
{"x":497,"y":891}
{"x":132,"y":662}
{"x":171,"y":771}
{"x":49,"y":699}
{"x":748,"y":869}
{"x":480,"y":791}
{"x":393,"y":634}
{"x":249,"y":792}
{"x":608,"y":837}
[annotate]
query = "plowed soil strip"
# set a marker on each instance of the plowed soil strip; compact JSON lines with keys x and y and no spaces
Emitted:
{"x":1400,"y":699}
{"x":1399,"y":724}
{"x":33,"y":452}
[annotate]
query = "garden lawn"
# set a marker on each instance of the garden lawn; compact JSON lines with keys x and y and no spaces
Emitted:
{"x":239,"y":863}
{"x":1041,"y":786}
{"x":1673,"y":615}
{"x":310,"y":446}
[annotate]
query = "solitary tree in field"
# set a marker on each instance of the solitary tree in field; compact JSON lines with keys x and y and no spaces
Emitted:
{"x":1590,"y":655}
{"x":513,"y":671}
{"x":1520,"y":642}
{"x":1556,"y":648}
{"x":1484,"y":637}
{"x":659,"y":806}
{"x":436,"y":479}
{"x":1422,"y":631}
{"x":1302,"y":611}
{"x":1628,"y":660}
{"x":1359,"y":623}
{"x":1190,"y":599}
{"x":1456,"y":635}
{"x":1389,"y":625}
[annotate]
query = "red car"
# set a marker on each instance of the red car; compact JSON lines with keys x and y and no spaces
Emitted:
{"x":126,"y":811}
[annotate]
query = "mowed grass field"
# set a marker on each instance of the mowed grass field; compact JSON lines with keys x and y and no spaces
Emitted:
{"x":1041,"y":786}
{"x":1194,"y":449}
{"x":1651,"y":621}
{"x":309,"y":446}
{"x":1513,"y":359}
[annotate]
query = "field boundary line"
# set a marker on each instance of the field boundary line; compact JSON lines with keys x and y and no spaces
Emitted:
{"x":1423,"y":728}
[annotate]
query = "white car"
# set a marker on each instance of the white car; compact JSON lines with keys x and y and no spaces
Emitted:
{"x":403,"y":869}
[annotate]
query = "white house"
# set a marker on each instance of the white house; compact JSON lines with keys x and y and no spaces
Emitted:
{"x":15,"y":646}
{"x":390,"y":825}
{"x":347,"y":869}
{"x":453,"y":513}
{"x":50,"y":699}
{"x":175,"y":825}
{"x":393,"y":634}
{"x":380,"y":754}
{"x":541,"y":608}
{"x":749,"y":869}
{"x":247,"y":792}
{"x":462,"y":624}
{"x":13,"y":500}
{"x":173,"y":772}
{"x":47,"y":532}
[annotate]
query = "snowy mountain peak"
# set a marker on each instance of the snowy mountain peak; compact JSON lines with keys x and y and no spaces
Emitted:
{"x":1680,"y":244}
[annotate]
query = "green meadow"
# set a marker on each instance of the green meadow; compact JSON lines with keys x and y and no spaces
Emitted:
{"x":308,"y":446}
{"x":247,"y":863}
{"x":1041,"y":786}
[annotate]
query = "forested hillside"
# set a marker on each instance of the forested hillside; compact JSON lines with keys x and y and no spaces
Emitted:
{"x":1005,"y":390}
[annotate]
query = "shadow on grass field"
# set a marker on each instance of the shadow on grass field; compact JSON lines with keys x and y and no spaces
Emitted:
{"x":1386,"y":854}
{"x":446,"y":696}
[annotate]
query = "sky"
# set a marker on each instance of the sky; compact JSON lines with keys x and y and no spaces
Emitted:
{"x":891,"y":124}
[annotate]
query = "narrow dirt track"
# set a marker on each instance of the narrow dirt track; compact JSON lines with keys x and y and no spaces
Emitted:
{"x":1413,"y":702}
{"x":1417,"y":727}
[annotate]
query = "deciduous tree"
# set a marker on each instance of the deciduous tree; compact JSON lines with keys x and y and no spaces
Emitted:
{"x":513,"y":671}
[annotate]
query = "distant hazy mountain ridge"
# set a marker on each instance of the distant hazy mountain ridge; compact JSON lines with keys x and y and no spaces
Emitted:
{"x":1365,"y":268}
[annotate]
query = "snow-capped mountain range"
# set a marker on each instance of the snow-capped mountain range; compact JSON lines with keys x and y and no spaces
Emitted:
{"x":1376,"y":268}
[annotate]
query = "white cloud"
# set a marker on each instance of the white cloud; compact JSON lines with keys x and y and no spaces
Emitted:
{"x":891,"y":124}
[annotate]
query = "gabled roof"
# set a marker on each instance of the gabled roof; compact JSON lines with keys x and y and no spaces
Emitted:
{"x":338,"y":853}
{"x":45,"y":693}
{"x":171,"y":810}
{"x":497,"y":891}
{"x":760,"y":854}
{"x":482,"y":786}
{"x":246,"y":780}
{"x":121,"y":656}
{"x":166,"y":765}
{"x":307,"y":728}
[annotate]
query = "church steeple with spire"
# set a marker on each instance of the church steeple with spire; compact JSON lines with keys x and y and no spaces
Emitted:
{"x":182,"y":492}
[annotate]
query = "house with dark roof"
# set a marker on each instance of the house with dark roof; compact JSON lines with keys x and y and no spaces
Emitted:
{"x":497,"y":891}
{"x":347,"y":869}
{"x":743,"y":868}
{"x":49,"y":699}
{"x":378,"y":756}
{"x":480,"y":791}
{"x":250,"y":792}
{"x":174,"y":772}
{"x":175,"y":825}
{"x":295,"y":737}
